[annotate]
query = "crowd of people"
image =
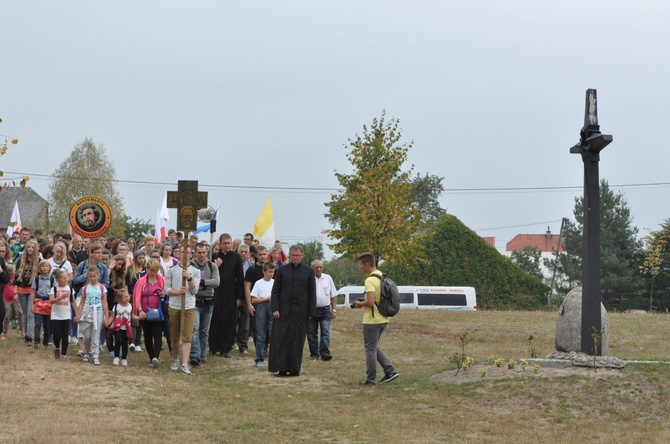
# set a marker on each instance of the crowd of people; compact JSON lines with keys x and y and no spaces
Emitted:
{"x":102,"y":295}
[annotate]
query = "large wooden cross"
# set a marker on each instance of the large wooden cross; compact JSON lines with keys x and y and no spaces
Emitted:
{"x":187,"y":200}
{"x":591,"y":143}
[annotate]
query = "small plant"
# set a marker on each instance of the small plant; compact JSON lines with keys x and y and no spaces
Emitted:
{"x":531,"y":348}
{"x":468,"y":363}
{"x":597,"y":337}
{"x":482,"y":372}
{"x":524,"y":364}
{"x":498,"y":362}
{"x":536,"y":367}
{"x":511,"y":363}
{"x":460,"y":359}
{"x":491,"y":360}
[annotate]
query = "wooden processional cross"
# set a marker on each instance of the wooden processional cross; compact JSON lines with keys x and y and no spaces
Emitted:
{"x":187,"y":200}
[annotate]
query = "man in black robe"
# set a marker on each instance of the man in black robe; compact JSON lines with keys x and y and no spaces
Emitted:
{"x":293,"y":303}
{"x":227,"y":298}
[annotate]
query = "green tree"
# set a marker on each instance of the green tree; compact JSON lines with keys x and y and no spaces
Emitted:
{"x":656,"y":267}
{"x":424,"y":196}
{"x":529,"y":260}
{"x":87,"y":171}
{"x":451,"y":254}
{"x":620,"y":251}
{"x":135,"y":228}
{"x":3,"y":150}
{"x":313,"y":250}
{"x":371,"y":213}
{"x":344,"y":271}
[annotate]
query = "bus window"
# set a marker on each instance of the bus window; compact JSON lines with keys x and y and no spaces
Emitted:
{"x":458,"y":300}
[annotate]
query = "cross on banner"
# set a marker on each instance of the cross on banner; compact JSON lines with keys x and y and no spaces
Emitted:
{"x":187,"y":200}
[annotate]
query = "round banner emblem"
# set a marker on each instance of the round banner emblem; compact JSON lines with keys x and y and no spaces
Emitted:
{"x":90,"y":217}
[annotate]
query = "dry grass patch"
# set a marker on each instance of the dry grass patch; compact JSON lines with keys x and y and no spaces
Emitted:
{"x":229,"y":400}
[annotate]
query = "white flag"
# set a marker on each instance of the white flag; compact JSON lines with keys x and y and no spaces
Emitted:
{"x":15,"y":222}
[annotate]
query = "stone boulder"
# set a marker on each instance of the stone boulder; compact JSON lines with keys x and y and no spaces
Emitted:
{"x":569,"y":327}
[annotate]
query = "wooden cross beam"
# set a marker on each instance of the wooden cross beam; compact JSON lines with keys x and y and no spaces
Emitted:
{"x":187,"y":200}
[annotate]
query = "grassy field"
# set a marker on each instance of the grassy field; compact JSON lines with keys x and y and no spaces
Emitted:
{"x":43,"y":400}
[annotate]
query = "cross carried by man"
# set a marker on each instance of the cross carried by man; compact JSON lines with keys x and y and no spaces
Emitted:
{"x":187,"y":200}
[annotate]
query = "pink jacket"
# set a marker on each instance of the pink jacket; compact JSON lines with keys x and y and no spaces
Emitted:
{"x":139,"y":291}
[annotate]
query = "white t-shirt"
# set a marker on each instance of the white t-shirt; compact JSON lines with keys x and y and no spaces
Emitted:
{"x":123,"y":313}
{"x":60,"y":311}
{"x":67,"y":266}
{"x":262,"y":289}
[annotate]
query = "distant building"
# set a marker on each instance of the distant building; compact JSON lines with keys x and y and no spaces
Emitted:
{"x":547,"y":244}
{"x":33,"y":208}
{"x":491,"y":240}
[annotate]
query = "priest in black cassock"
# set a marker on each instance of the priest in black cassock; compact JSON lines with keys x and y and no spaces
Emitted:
{"x":227,"y":297}
{"x":293,"y":302}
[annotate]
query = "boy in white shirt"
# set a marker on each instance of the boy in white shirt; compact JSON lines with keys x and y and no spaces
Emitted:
{"x":260,"y":299}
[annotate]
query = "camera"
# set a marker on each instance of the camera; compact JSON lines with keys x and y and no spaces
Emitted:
{"x":353,"y":304}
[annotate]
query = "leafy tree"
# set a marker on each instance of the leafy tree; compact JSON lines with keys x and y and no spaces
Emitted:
{"x":451,"y":254}
{"x":86,"y":172}
{"x":344,"y":271}
{"x":135,"y":228}
{"x":313,"y":250}
{"x":529,"y":260}
{"x":620,"y":251}
{"x":372,"y":213}
{"x":424,"y":196}
{"x":656,"y":267}
{"x":3,"y":151}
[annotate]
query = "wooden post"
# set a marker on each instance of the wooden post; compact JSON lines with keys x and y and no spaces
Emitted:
{"x":187,"y":200}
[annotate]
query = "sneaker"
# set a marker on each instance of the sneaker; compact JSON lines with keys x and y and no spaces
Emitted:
{"x":112,"y":355}
{"x":96,"y":361}
{"x":366,"y":383}
{"x":80,"y":353}
{"x":124,"y":362}
{"x":326,"y":357}
{"x":155,"y":363}
{"x":116,"y":361}
{"x":244,"y":352}
{"x":63,"y":358}
{"x":389,"y":377}
{"x":4,"y":337}
{"x":131,"y":347}
{"x":185,"y":369}
{"x":56,"y":354}
{"x":195,"y":362}
{"x":36,"y":345}
{"x":85,"y":358}
{"x":175,"y":365}
{"x":260,"y":364}
{"x":138,"y":348}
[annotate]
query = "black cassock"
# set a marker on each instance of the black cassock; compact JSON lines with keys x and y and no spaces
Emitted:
{"x":294,"y":296}
{"x":224,"y":314}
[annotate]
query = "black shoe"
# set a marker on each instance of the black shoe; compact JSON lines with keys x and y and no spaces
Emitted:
{"x":294,"y":374}
{"x":389,"y":377}
{"x":326,"y":357}
{"x":366,"y":383}
{"x":282,"y":374}
{"x":226,"y":355}
{"x":195,"y":362}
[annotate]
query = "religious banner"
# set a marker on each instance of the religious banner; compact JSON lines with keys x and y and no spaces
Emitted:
{"x":90,"y":217}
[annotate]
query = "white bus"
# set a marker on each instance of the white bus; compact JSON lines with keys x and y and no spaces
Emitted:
{"x":418,"y":297}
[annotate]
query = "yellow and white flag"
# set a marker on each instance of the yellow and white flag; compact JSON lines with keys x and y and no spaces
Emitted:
{"x":264,"y":228}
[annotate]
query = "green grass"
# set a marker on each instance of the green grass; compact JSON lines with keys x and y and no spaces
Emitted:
{"x":231,"y":401}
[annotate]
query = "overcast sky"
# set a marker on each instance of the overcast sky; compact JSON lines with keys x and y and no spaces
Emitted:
{"x":256,"y":93}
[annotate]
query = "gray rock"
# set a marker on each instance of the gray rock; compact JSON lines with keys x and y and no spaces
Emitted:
{"x":569,"y":327}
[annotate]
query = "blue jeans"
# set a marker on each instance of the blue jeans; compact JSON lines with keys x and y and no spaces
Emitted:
{"x":42,"y":320}
{"x":372,"y":333}
{"x":320,"y":321}
{"x":263,"y":318}
{"x":28,"y":316}
{"x":203,"y":319}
